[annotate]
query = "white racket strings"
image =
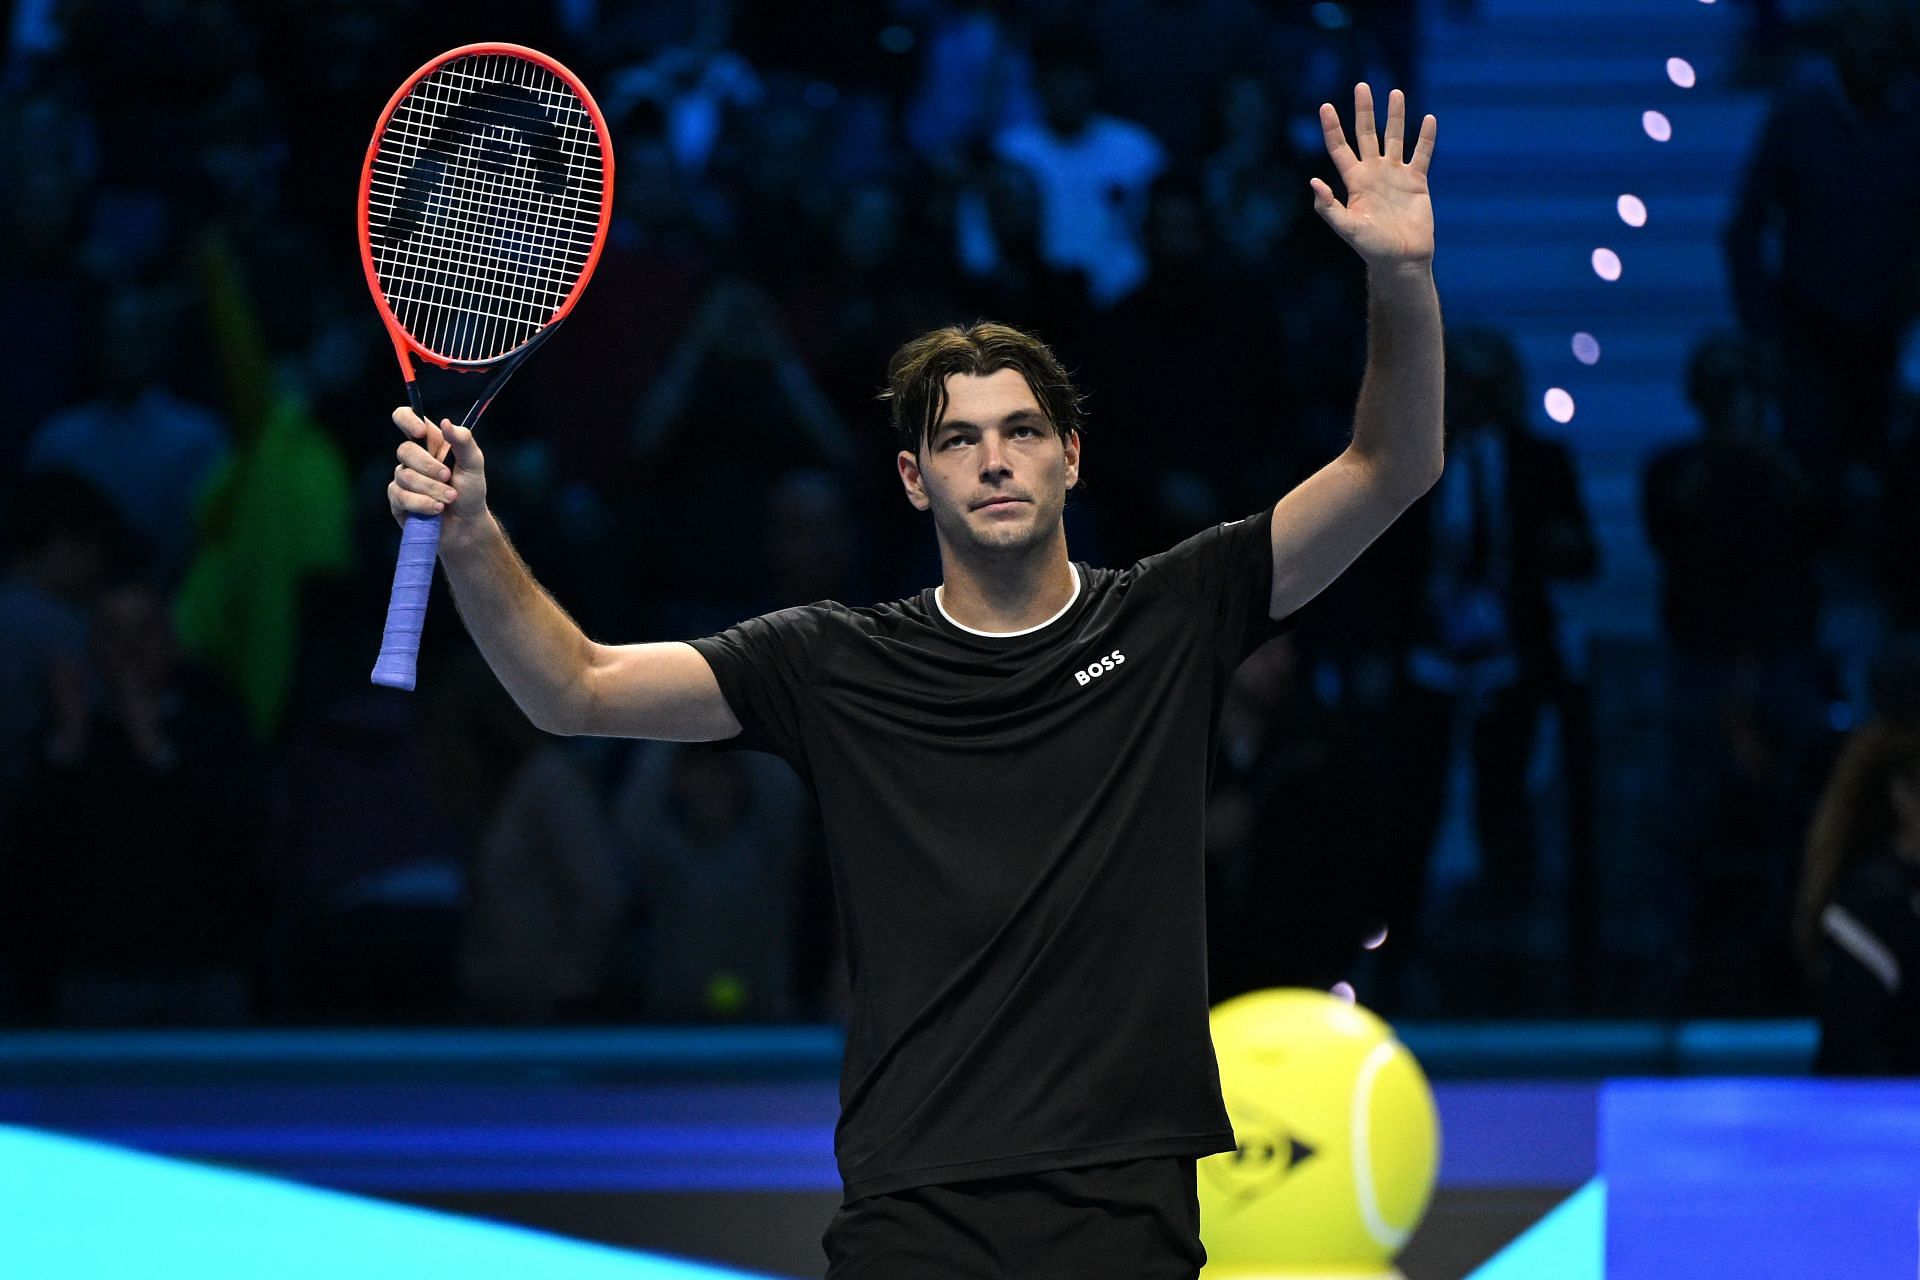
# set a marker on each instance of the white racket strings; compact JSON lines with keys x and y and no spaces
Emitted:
{"x":485,"y":199}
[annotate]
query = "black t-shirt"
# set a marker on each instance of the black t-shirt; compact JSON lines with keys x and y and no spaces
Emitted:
{"x":1015,"y":830}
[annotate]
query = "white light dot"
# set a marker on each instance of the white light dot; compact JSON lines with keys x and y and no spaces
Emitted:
{"x":1633,"y":210}
{"x":1377,"y":941}
{"x":1658,"y":127}
{"x":1680,"y":71}
{"x":1559,"y":405}
{"x":1344,"y":991}
{"x":1606,"y":264}
{"x":1586,"y":348}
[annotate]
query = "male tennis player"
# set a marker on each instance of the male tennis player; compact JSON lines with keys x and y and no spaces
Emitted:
{"x":1012,"y":770}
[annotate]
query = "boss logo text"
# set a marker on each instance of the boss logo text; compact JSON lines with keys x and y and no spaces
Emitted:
{"x":1097,"y":669}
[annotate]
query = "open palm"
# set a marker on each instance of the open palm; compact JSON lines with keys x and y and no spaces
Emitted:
{"x":1388,"y":217}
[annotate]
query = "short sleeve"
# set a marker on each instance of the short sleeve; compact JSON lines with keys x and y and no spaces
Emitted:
{"x":1226,"y":574}
{"x":765,"y":667}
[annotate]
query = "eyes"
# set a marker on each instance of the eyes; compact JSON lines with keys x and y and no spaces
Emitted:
{"x":1019,"y":431}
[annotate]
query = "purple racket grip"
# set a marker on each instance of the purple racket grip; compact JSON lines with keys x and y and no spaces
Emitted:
{"x":407,"y":608}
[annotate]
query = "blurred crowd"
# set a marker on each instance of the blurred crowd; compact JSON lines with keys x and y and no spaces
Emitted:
{"x":209,"y":815}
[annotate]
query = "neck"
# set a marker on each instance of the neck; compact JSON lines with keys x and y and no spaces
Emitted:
{"x":1007,"y":592}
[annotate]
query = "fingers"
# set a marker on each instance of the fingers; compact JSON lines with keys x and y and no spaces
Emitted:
{"x":1366,"y":144}
{"x":1324,"y":204}
{"x":405,"y":502}
{"x":466,"y":454}
{"x":410,"y":481}
{"x":1336,"y":140}
{"x":1423,"y":146}
{"x":430,"y":437}
{"x":1396,"y":144}
{"x":412,"y":455}
{"x":1366,"y":133}
{"x":422,"y":478}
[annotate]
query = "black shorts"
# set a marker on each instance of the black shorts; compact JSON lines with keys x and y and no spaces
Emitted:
{"x":1138,"y":1219}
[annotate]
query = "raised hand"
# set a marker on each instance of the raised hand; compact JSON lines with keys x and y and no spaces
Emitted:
{"x":437,"y":464}
{"x":1387,"y":218}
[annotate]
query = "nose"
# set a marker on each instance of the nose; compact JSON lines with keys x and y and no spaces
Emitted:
{"x":993,"y":458}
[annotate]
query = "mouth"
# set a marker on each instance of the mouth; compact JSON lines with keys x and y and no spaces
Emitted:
{"x":995,"y":504}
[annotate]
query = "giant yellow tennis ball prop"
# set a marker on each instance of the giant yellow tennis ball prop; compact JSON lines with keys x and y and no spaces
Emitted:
{"x":1338,"y":1141}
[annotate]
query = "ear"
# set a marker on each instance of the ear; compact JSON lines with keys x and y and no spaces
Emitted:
{"x":1073,"y":458}
{"x":911,"y":481}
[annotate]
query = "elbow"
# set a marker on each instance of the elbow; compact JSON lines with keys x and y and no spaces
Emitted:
{"x":553,"y":720}
{"x":1435,"y":466}
{"x":569,"y":712}
{"x":1413,"y":481}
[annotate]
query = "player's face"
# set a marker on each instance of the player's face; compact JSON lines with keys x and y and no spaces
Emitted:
{"x":995,"y":473}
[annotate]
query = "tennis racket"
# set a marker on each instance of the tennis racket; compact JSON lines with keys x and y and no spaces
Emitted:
{"x":484,"y":204}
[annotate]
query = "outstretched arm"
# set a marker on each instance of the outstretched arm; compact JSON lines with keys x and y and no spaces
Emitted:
{"x":1324,"y":524}
{"x":564,"y":682}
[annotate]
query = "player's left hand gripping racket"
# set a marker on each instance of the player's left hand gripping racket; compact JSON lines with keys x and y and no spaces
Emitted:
{"x":483,"y":207}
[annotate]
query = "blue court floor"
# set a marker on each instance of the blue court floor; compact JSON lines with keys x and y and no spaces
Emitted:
{"x":311,"y":1156}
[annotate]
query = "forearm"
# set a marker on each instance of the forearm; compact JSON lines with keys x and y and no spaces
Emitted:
{"x":538,"y":652}
{"x":1398,"y":423}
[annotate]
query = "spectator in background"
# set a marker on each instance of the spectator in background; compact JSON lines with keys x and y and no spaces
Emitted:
{"x":734,"y":377}
{"x":1092,"y":171}
{"x":1005,"y":270}
{"x":1737,"y":530}
{"x":812,"y":548}
{"x":976,"y":79}
{"x":137,"y":834}
{"x":544,"y":891}
{"x":1857,"y":921}
{"x":1844,"y":289}
{"x":1252,"y":178}
{"x":46,"y":156}
{"x":62,"y":541}
{"x":1505,"y":521}
{"x":1165,"y":56}
{"x":151,"y":452}
{"x":1291,"y":854}
{"x":714,"y":840}
{"x":693,"y":87}
{"x":1223,"y":377}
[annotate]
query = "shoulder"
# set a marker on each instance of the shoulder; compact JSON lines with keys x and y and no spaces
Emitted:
{"x":823,"y":621}
{"x":1188,"y":566}
{"x":1215,"y":538}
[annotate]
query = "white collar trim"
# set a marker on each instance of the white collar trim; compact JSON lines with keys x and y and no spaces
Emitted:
{"x":941,"y":604}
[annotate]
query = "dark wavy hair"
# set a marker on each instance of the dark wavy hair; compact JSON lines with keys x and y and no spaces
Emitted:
{"x":917,"y":376}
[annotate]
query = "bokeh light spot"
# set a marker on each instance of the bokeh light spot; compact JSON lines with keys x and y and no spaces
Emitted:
{"x":1377,"y":941}
{"x":1559,"y":405}
{"x":1633,"y":210}
{"x":1586,"y":348}
{"x":1344,"y":991}
{"x":1658,"y":127}
{"x":1680,"y":71}
{"x":1606,"y":264}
